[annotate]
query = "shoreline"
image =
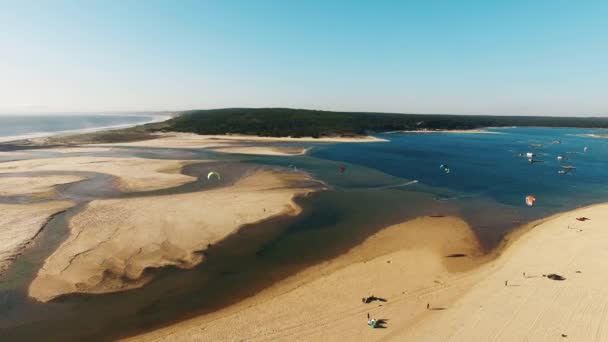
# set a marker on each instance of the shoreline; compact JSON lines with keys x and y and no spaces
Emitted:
{"x":290,"y":316}
{"x":154,"y":232}
{"x":455,"y":131}
{"x":297,"y":307}
{"x":39,"y":135}
{"x":517,"y":282}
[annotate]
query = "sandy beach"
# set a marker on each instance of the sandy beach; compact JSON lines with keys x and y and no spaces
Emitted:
{"x":404,"y":265}
{"x":265,"y":150}
{"x":466,"y":296}
{"x":191,"y":140}
{"x":238,"y":144}
{"x":458,"y":131}
{"x":532,"y":307}
{"x":112,"y":242}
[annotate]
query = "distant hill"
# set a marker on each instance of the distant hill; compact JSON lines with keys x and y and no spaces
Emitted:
{"x":281,"y":122}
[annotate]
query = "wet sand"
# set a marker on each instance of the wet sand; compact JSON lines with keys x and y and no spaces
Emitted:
{"x":42,"y":186}
{"x":20,"y":223}
{"x":132,"y":174}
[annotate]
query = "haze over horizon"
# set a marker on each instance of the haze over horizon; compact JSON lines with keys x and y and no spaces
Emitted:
{"x":444,"y":57}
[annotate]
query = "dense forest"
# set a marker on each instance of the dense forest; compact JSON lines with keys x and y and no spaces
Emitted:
{"x":280,"y":122}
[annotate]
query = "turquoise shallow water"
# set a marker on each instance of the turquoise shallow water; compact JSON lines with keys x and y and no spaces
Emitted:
{"x":486,"y":186}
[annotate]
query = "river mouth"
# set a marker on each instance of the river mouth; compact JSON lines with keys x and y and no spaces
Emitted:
{"x":358,"y":203}
{"x":258,"y":255}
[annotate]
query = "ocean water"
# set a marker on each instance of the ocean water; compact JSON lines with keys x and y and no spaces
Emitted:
{"x":25,"y":126}
{"x":486,"y":187}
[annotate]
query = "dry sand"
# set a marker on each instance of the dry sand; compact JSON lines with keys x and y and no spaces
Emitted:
{"x":133,"y":174}
{"x":533,"y":307}
{"x":190,"y":140}
{"x":406,"y":264}
{"x":20,"y":223}
{"x":594,"y":135}
{"x":113,"y":241}
{"x":38,"y":186}
{"x":76,"y":149}
{"x":473,"y":305}
{"x":236,"y":137}
{"x":460,"y":131}
{"x":264,"y":150}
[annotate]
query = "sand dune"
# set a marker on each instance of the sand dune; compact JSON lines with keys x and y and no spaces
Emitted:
{"x":133,"y":174}
{"x":113,"y":241}
{"x":20,"y":223}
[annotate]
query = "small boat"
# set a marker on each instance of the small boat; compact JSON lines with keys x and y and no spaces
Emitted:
{"x":562,"y":172}
{"x":568,"y":167}
{"x":557,"y":141}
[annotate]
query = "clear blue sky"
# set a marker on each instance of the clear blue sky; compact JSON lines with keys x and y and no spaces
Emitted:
{"x":426,"y":56}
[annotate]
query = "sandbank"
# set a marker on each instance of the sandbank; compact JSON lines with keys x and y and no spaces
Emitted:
{"x":594,"y":135}
{"x":11,"y":186}
{"x":459,"y":131}
{"x":468,"y":300}
{"x":76,"y":149}
{"x":133,"y":174}
{"x":264,"y":150}
{"x":191,"y":140}
{"x":20,"y":223}
{"x":113,"y":241}
{"x":237,"y":137}
{"x":405,"y":264}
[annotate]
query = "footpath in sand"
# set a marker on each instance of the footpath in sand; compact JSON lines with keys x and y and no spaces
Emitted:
{"x":473,"y":305}
{"x":113,"y":241}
